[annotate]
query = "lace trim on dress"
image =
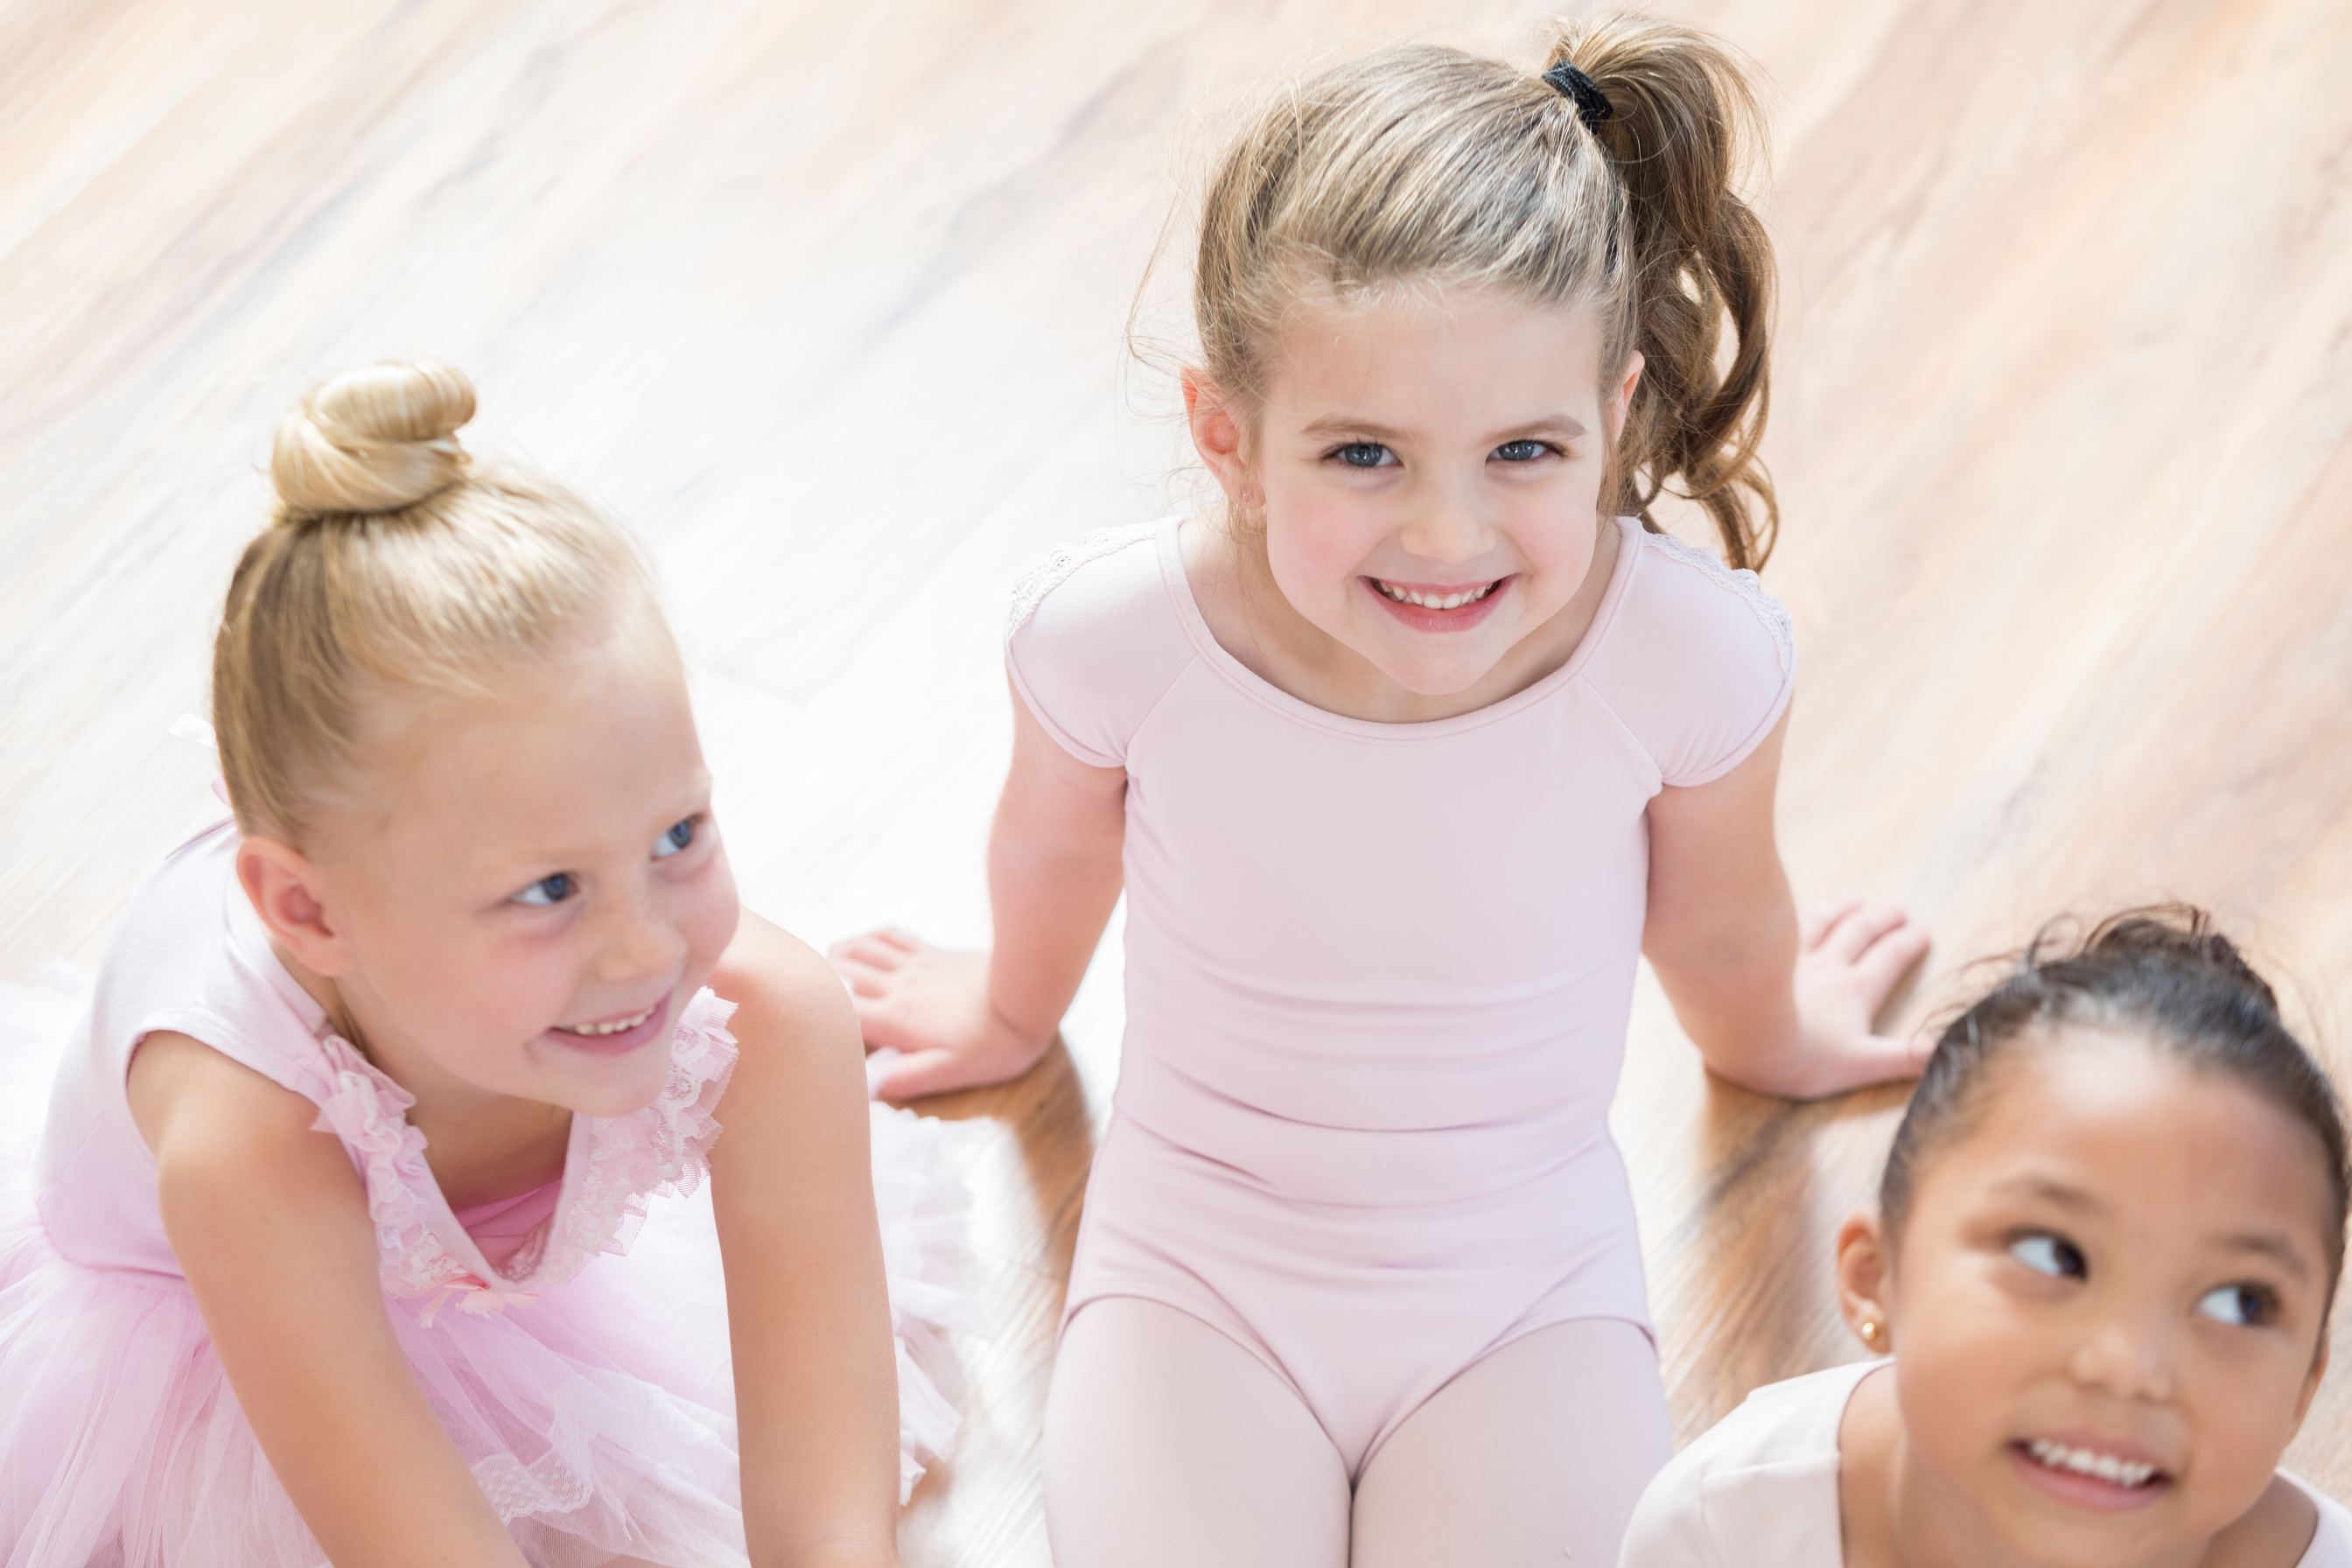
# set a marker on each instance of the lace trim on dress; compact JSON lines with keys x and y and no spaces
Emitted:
{"x":1745,"y":582}
{"x":1054,"y":570}
{"x":662,"y":1149}
{"x":369,"y":1113}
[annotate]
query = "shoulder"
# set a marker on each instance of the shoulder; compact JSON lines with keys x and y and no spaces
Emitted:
{"x":1696,"y":659}
{"x":1683,"y":588}
{"x":768,"y":966}
{"x":1110,"y":571}
{"x":2331,"y":1541}
{"x":791,"y":1024}
{"x":1095,"y":638}
{"x":217,"y":1127}
{"x":1758,"y":1488}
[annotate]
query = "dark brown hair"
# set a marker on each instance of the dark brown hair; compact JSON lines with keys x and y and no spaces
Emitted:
{"x":1423,"y":164}
{"x":2166,"y":975}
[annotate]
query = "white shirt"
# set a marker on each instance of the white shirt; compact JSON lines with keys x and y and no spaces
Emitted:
{"x":1759,"y":1489}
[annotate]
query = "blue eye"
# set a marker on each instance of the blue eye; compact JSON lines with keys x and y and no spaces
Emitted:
{"x":1520,"y":451}
{"x":2050,"y":1255}
{"x":1365,"y":455}
{"x":548,"y":891}
{"x":678,"y":836}
{"x":2246,"y":1306}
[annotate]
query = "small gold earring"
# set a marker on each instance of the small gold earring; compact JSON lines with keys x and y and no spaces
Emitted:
{"x":1869,"y":1332}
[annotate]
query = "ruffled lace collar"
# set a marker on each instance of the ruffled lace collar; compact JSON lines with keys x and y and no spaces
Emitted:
{"x":612,"y":1166}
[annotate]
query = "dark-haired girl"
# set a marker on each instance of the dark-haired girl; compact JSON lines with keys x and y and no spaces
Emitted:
{"x":2103,"y":1257}
{"x":1403,"y":757}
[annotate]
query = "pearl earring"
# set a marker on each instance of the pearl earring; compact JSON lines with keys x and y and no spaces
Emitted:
{"x":1869,"y":1332}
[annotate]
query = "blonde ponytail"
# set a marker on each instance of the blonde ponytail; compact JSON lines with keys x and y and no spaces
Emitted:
{"x":1681,"y":124}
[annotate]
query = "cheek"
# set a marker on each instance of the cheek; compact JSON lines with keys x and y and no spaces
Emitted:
{"x":708,"y":920}
{"x":1959,"y":1385}
{"x":2245,"y":1416}
{"x":1963,"y":1350}
{"x":1316,"y":546}
{"x":1561,"y":553}
{"x":517,"y":987}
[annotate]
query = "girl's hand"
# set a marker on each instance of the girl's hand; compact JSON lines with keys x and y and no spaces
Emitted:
{"x":1850,"y":957}
{"x":932,"y":1007}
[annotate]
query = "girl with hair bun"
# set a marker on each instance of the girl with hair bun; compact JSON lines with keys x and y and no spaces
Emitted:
{"x":1403,"y":760}
{"x":307,"y":1265}
{"x":2104,"y":1254}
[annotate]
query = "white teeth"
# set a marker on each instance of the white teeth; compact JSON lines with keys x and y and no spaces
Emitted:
{"x":618,"y":1028}
{"x":2084,"y":1462}
{"x":1434,"y":601}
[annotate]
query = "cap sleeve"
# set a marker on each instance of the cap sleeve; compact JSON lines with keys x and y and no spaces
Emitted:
{"x":1095,"y":641}
{"x":1668,"y":1529}
{"x":1698,"y":662}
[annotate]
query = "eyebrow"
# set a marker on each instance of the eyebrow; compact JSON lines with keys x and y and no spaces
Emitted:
{"x":2273,"y":1245}
{"x":1345,"y":425}
{"x":2049,"y":1191}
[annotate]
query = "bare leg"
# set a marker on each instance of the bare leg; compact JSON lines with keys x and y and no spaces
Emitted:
{"x":1531,"y":1459}
{"x":1168,"y":1446}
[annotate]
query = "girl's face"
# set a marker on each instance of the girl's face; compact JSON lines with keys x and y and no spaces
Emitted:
{"x":1428,"y":465}
{"x":2107,"y":1303}
{"x":530,"y":905}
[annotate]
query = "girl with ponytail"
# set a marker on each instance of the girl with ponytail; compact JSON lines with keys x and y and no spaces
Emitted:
{"x":1402,"y":760}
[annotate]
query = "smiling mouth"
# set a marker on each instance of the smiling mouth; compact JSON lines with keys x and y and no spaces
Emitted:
{"x":617,"y":1026}
{"x":2129,"y":1474}
{"x":1435,"y":601}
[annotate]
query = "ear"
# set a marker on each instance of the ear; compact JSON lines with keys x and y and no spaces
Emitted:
{"x":289,"y":896}
{"x":1623,"y":399}
{"x":1865,"y":1279}
{"x":1217,"y":436}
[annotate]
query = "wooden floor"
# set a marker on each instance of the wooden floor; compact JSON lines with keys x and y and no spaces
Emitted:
{"x":828,"y":300}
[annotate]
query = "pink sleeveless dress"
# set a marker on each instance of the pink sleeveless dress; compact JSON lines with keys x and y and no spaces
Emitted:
{"x":574,"y":1339}
{"x":1379,"y":975}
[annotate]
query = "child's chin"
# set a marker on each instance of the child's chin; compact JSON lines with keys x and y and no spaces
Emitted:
{"x":618,"y":1099}
{"x":587,"y":1087}
{"x":1450,"y":677}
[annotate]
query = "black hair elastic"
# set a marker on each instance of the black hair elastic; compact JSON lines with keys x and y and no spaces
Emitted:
{"x":1592,"y":106}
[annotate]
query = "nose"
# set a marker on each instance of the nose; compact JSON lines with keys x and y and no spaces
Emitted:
{"x":1449,"y":526}
{"x":2129,"y":1356}
{"x":637,"y":940}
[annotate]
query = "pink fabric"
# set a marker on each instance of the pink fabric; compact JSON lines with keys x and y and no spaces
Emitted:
{"x":1378,"y":975}
{"x":503,"y":1229}
{"x":594,"y":1406}
{"x":1168,"y":1446}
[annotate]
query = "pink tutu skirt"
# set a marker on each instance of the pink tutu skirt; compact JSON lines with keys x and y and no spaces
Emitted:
{"x":600,"y":1421}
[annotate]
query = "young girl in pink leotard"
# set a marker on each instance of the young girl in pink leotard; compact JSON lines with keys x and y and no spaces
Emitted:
{"x":306,"y":1267}
{"x":1401,"y":761}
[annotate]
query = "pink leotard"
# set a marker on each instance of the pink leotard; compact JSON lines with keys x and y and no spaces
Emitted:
{"x":1378,"y":975}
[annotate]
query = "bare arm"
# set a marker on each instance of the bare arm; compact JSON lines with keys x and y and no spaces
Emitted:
{"x":808,"y":1312}
{"x":1771,"y":1005}
{"x":271,"y":1225}
{"x":1052,"y":878}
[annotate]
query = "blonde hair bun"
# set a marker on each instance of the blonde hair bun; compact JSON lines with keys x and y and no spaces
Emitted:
{"x":374,"y":440}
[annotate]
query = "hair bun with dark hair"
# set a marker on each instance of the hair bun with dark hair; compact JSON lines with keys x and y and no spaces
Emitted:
{"x":2178,"y":936}
{"x":374,"y":441}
